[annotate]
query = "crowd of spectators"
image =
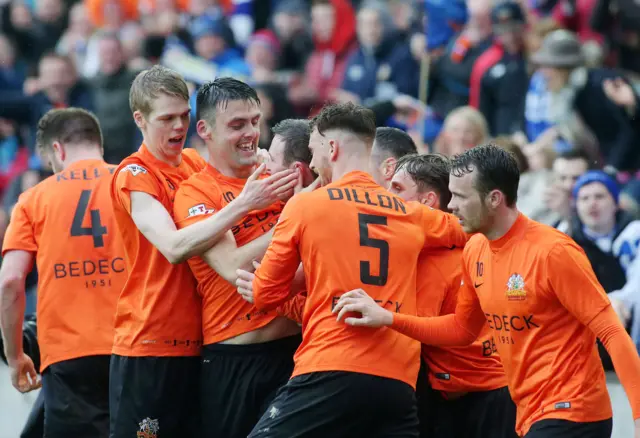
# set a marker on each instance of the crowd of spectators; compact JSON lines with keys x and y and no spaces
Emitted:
{"x":554,"y":81}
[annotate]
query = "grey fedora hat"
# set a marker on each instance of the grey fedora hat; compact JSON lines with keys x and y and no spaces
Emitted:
{"x":560,"y":48}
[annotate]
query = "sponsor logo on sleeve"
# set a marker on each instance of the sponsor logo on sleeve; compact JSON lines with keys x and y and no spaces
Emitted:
{"x":134,"y":169}
{"x":199,"y":210}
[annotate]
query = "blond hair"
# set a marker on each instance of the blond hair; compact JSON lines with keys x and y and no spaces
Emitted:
{"x":469,"y":114}
{"x":149,"y":84}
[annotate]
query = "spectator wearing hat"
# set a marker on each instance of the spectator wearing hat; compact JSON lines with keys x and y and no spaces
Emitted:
{"x":262,"y":54}
{"x":213,"y":41}
{"x":610,"y":238}
{"x":575,"y":90}
{"x":499,"y":78}
{"x":382,"y":66}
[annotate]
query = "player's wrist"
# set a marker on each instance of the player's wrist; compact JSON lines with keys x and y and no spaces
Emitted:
{"x":388,"y":318}
{"x":241,"y":205}
{"x":13,"y":358}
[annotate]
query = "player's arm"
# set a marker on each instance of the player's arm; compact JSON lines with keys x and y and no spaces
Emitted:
{"x":275,"y":275}
{"x":16,"y":265}
{"x":157,"y":225}
{"x":458,"y":329}
{"x":573,"y":281}
{"x":442,"y":230}
{"x":19,"y":247}
{"x":293,"y":308}
{"x":226,"y":258}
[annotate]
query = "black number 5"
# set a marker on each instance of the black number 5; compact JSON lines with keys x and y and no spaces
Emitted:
{"x":364,"y":220}
{"x":96,"y":230}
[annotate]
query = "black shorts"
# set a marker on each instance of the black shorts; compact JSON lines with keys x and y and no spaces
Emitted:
{"x":154,"y":395}
{"x":239,"y":381}
{"x":76,"y":396}
{"x":475,"y":415}
{"x":340,"y":404}
{"x":553,"y":428}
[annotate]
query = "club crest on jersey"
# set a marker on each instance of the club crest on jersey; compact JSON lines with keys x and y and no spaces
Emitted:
{"x":134,"y":169}
{"x":148,"y":428}
{"x":515,"y":288}
{"x":198,"y":210}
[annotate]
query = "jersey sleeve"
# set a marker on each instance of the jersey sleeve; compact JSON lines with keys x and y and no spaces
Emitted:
{"x":572,"y":280}
{"x":272,"y":282}
{"x":608,"y":328}
{"x":20,"y":232}
{"x":458,"y":329}
{"x":134,"y":178}
{"x":293,"y":308}
{"x":442,"y":230}
{"x":431,"y":286}
{"x":192,"y":205}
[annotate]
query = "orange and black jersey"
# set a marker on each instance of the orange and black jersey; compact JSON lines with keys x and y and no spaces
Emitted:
{"x":224,"y":313}
{"x":67,"y":221}
{"x":158,"y":313}
{"x":352,"y":234}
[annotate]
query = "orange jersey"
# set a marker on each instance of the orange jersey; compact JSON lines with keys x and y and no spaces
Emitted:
{"x":158,"y":312}
{"x":67,"y":221}
{"x":476,"y":367}
{"x":535,"y":289}
{"x":352,"y":234}
{"x":224,"y":313}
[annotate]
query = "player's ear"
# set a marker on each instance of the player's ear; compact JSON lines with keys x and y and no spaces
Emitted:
{"x":59,"y":150}
{"x":430,"y":199}
{"x":389,"y":167}
{"x":334,"y":150}
{"x":139,"y":119}
{"x":203,"y":129}
{"x":495,"y":198}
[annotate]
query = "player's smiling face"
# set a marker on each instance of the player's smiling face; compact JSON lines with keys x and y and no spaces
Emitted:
{"x":319,"y":147}
{"x":466,"y":202}
{"x":236,"y":133}
{"x":165,"y":127}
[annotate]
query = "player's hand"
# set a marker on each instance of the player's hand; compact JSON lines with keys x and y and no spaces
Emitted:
{"x":371,"y":314}
{"x":244,"y":282}
{"x":261,"y":193}
{"x":23,"y":374}
{"x":637,"y":434}
{"x":310,"y":188}
{"x":263,"y":156}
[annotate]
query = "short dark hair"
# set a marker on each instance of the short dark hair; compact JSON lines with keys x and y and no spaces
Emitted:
{"x":347,"y":117}
{"x":68,"y":126}
{"x":495,"y":169}
{"x":217,"y":93}
{"x":295,"y":133}
{"x":429,"y":172}
{"x":395,"y":142}
{"x":508,"y":144}
{"x":576,"y":154}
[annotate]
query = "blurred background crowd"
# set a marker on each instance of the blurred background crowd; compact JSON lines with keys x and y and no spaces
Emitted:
{"x":554,"y":81}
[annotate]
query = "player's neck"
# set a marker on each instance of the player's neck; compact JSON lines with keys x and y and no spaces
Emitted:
{"x":502,"y":223}
{"x":350,"y":164}
{"x":81,"y":155}
{"x":229,"y":171}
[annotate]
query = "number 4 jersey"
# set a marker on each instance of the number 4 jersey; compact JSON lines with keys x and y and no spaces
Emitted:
{"x":352,"y":234}
{"x":67,"y":221}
